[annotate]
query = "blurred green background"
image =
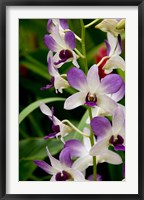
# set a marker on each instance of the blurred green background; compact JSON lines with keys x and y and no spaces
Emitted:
{"x":33,"y":75}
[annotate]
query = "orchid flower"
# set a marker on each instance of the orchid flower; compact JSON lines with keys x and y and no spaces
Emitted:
{"x":57,"y":81}
{"x":114,"y":49}
{"x":108,"y":134}
{"x":110,"y":25}
{"x":59,"y":129}
{"x":83,"y":153}
{"x":63,"y":45}
{"x":92,"y":90}
{"x":61,"y":170}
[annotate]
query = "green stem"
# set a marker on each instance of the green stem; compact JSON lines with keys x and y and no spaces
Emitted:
{"x":76,"y":129}
{"x":79,"y":53}
{"x":92,"y":144}
{"x":91,"y":23}
{"x":83,"y":44}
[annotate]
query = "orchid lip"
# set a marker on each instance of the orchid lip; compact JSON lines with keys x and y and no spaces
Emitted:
{"x":63,"y":176}
{"x":91,"y":100}
{"x":117,"y":142}
{"x":64,"y":56}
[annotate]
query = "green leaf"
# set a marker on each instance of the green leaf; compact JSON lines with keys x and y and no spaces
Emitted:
{"x":26,"y":168}
{"x":35,"y":148}
{"x":41,"y":71}
{"x":35,"y":105}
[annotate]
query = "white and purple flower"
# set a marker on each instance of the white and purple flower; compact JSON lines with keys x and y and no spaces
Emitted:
{"x":92,"y":90}
{"x":110,"y":25}
{"x":63,"y":44}
{"x":62,"y":169}
{"x":84,"y":156}
{"x":82,"y":151}
{"x":59,"y":129}
{"x":108,"y":134}
{"x":57,"y":81}
{"x":114,"y":49}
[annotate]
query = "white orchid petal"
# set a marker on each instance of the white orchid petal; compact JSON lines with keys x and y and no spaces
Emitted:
{"x":109,"y":25}
{"x":82,"y":163}
{"x":111,"y":157}
{"x":106,"y":103}
{"x":56,"y":58}
{"x":93,"y":78}
{"x":74,"y":61}
{"x":113,"y":63}
{"x":45,"y":109}
{"x":75,"y":100}
{"x":60,"y":83}
{"x":118,"y":120}
{"x":59,"y":39}
{"x":113,"y":42}
{"x":54,"y":162}
{"x":77,"y":175}
{"x":99,"y":147}
{"x":53,"y":178}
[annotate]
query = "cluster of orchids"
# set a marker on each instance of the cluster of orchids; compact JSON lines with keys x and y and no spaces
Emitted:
{"x":105,"y":125}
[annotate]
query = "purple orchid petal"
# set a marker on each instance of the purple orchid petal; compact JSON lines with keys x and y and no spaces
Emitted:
{"x":43,"y":165}
{"x":111,"y":83}
{"x":119,"y":147}
{"x":50,"y":136}
{"x":119,"y":94}
{"x":70,"y":39}
{"x":56,"y":128}
{"x":77,"y":79}
{"x":100,"y":126}
{"x":50,"y":43}
{"x":99,"y":177}
{"x":49,"y":85}
{"x":108,"y":47}
{"x":62,"y":176}
{"x":76,"y":148}
{"x":50,"y":25}
{"x":65,"y":157}
{"x":64,"y":24}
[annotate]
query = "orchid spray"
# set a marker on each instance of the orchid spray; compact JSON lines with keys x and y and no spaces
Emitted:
{"x":101,"y":137}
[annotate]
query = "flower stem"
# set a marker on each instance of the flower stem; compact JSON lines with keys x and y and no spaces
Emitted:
{"x":75,"y":128}
{"x":91,"y":23}
{"x":64,"y":75}
{"x":79,"y":53}
{"x":92,"y":144}
{"x":101,"y":61}
{"x":83,"y":44}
